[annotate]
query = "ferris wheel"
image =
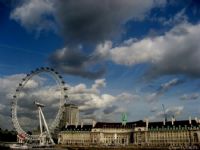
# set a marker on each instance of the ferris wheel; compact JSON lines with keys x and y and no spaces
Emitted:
{"x":61,"y":85}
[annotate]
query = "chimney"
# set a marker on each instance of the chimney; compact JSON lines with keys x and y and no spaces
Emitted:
{"x":93,"y":123}
{"x":66,"y":124}
{"x":164,"y":121}
{"x":196,"y":119}
{"x":76,"y":124}
{"x":147,"y":123}
{"x":190,"y":120}
{"x":173,"y":119}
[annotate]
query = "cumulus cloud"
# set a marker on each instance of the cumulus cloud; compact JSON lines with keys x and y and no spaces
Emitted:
{"x":90,"y":100}
{"x":175,"y":52}
{"x":93,"y":103}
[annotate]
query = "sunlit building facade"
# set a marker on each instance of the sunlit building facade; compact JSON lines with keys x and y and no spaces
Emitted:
{"x":182,"y":134}
{"x":70,"y":115}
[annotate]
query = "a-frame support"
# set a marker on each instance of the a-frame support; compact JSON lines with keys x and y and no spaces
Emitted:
{"x":45,"y":136}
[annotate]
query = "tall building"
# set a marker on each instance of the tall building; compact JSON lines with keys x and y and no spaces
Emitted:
{"x":70,"y":115}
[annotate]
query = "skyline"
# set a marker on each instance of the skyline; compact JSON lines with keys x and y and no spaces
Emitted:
{"x":115,"y":56}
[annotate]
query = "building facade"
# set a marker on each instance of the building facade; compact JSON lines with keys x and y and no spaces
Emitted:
{"x":76,"y":135}
{"x":70,"y":115}
{"x":182,"y":134}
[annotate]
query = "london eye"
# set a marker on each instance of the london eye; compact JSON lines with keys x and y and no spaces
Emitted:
{"x":58,"y":79}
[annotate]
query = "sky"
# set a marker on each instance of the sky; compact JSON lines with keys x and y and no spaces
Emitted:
{"x":115,"y":56}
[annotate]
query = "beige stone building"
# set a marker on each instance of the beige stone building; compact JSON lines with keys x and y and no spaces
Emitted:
{"x":75,"y":135}
{"x":175,"y":134}
{"x":70,"y":115}
{"x":182,"y":134}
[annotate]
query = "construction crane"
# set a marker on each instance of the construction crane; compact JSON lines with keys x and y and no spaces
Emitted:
{"x":164,"y":112}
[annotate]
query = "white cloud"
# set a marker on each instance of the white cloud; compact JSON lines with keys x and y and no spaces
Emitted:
{"x":174,"y":52}
{"x":32,"y":84}
{"x":89,"y":99}
{"x":99,"y":83}
{"x":98,"y":102}
{"x":32,"y":13}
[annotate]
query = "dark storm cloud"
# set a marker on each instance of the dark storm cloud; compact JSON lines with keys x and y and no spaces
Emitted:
{"x":75,"y":62}
{"x":83,"y":21}
{"x":95,"y":21}
{"x":91,"y":23}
